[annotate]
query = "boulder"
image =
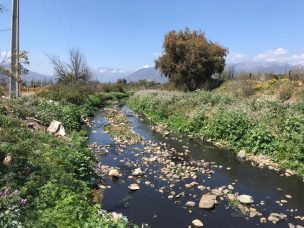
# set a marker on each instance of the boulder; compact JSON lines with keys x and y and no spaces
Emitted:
{"x":246,"y":199}
{"x":208,"y":201}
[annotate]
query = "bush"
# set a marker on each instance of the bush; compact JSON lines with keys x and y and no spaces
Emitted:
{"x":228,"y":125}
{"x":259,"y":140}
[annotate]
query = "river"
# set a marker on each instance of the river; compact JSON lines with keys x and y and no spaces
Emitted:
{"x":151,"y":206}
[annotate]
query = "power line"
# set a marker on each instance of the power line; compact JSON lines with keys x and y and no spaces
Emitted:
{"x":4,"y":30}
{"x":69,"y":19}
{"x":51,"y":17}
{"x":60,"y":19}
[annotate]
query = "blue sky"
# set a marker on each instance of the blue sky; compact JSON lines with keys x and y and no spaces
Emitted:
{"x":128,"y":34}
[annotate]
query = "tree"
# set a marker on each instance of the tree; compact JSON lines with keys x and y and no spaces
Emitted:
{"x":189,"y":59}
{"x":122,"y":81}
{"x":76,"y":70}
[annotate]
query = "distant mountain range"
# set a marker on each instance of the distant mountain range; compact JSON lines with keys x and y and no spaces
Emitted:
{"x":149,"y":74}
{"x":107,"y":74}
{"x":261,"y":67}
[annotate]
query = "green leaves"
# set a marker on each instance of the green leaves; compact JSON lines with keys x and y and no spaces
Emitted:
{"x":260,"y":126}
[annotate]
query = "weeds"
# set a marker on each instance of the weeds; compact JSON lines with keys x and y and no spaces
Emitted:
{"x":257,"y":124}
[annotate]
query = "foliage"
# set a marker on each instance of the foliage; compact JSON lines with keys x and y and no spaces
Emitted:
{"x":190,"y":59}
{"x":47,"y":182}
{"x":256,"y":124}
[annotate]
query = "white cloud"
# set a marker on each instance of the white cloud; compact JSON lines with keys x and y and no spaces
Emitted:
{"x":146,"y":66}
{"x":236,"y":57}
{"x":275,"y":55}
{"x":278,"y":55}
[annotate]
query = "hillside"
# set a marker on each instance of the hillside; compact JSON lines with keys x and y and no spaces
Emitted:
{"x":149,"y":74}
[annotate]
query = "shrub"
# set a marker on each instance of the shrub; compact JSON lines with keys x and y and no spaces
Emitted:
{"x":228,"y":125}
{"x":259,"y":140}
{"x":286,"y":92}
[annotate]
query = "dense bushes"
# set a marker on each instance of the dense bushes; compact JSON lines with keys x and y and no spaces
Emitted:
{"x":258,"y":125}
{"x":46,"y":183}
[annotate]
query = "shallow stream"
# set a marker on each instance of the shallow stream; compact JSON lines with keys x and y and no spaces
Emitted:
{"x":149,"y":205}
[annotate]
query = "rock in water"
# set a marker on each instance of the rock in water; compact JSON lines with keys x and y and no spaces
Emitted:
{"x":133,"y":187}
{"x":241,"y":154}
{"x":275,"y":217}
{"x":113,"y":173}
{"x":197,"y":223}
{"x":208,"y":201}
{"x":246,"y":199}
{"x":190,"y":204}
{"x":137,"y":172}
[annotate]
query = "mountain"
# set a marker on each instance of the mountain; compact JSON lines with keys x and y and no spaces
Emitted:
{"x":34,"y":76}
{"x":261,"y":67}
{"x":107,"y":74}
{"x":149,"y":74}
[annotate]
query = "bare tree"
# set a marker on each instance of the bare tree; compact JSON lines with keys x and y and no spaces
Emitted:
{"x":76,"y":70}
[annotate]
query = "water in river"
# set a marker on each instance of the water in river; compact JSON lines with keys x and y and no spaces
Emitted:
{"x":149,"y":206}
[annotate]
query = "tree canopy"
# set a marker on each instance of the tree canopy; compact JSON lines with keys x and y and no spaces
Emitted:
{"x":189,"y":59}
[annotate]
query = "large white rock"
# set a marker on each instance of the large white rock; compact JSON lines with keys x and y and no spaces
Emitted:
{"x":113,"y":173}
{"x":208,"y":201}
{"x":56,"y":128}
{"x":241,"y":154}
{"x":246,"y":199}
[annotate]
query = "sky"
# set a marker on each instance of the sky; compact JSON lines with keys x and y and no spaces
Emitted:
{"x":128,"y":34}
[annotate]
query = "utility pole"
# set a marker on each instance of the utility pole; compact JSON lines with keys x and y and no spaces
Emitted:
{"x":14,"y":79}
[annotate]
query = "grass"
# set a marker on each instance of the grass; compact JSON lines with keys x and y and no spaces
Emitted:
{"x":260,"y":123}
{"x":46,"y":184}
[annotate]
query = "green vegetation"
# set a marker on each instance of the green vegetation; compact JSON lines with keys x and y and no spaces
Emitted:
{"x":189,"y":59}
{"x":260,"y":124}
{"x":120,"y":127}
{"x":44,"y":179}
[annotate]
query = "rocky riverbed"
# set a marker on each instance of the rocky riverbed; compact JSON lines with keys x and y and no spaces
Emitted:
{"x":165,"y":180}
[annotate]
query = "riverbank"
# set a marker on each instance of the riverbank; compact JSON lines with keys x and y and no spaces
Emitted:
{"x":46,"y":174}
{"x":257,"y":125}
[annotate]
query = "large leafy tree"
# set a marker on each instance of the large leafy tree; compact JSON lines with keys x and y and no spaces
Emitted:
{"x":189,"y":59}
